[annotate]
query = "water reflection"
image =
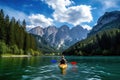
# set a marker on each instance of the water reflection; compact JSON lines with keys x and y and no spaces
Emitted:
{"x":63,"y":71}
{"x":74,"y":68}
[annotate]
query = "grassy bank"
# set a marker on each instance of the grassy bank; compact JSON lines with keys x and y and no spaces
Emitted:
{"x":11,"y":55}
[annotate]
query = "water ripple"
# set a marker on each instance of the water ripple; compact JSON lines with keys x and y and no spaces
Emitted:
{"x":93,"y":79}
{"x":45,"y":71}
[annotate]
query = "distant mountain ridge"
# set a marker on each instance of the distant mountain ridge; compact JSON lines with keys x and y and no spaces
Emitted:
{"x":62,"y":37}
{"x":107,"y":21}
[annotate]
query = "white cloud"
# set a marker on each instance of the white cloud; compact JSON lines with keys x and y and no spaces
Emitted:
{"x":87,"y":27}
{"x":32,"y":20}
{"x":30,"y":26}
{"x":109,"y":4}
{"x":14,"y":13}
{"x":76,"y":15}
{"x":65,"y":12}
{"x":58,"y":5}
{"x":39,"y":20}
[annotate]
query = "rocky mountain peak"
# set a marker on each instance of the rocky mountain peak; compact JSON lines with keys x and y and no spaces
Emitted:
{"x":78,"y":27}
{"x":64,"y":28}
{"x":50,"y":30}
{"x":60,"y":37}
{"x":108,"y":17}
{"x":37,"y":30}
{"x":107,"y":21}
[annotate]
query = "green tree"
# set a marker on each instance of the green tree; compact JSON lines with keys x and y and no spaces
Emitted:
{"x":14,"y":49}
{"x":11,"y":31}
{"x":2,"y":25}
{"x":3,"y":48}
{"x":26,"y":43}
{"x":15,"y":36}
{"x":24,"y":24}
{"x":7,"y":22}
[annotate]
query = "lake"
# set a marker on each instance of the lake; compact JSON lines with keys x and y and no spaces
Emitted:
{"x":41,"y":68}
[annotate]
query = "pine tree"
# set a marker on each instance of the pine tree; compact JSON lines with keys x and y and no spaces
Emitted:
{"x":24,"y":24}
{"x":26,"y":43}
{"x":14,"y":35}
{"x":7,"y":22}
{"x":11,"y":32}
{"x":2,"y":25}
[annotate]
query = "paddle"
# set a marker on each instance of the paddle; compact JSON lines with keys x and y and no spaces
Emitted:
{"x":53,"y":61}
{"x":73,"y":63}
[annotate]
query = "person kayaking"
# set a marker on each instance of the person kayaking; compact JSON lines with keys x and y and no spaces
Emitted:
{"x":63,"y":65}
{"x":63,"y":60}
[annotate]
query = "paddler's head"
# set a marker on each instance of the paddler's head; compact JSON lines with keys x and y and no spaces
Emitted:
{"x":63,"y":56}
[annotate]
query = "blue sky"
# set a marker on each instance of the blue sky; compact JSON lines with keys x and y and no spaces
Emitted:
{"x":59,"y":12}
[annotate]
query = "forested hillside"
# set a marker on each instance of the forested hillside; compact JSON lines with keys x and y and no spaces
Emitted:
{"x":13,"y":36}
{"x":105,"y":42}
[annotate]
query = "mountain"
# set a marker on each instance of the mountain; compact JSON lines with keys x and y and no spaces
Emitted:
{"x":43,"y":46}
{"x":60,"y":38}
{"x":107,"y":21}
{"x":49,"y":34}
{"x":38,"y":30}
{"x":78,"y":32}
{"x":103,"y":39}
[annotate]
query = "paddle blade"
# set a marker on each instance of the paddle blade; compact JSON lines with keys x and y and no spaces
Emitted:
{"x":53,"y":61}
{"x":73,"y":63}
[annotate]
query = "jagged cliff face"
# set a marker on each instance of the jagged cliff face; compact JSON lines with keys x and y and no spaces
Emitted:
{"x":78,"y":33}
{"x":37,"y":30}
{"x":107,"y":21}
{"x":62,"y":37}
{"x":49,"y":34}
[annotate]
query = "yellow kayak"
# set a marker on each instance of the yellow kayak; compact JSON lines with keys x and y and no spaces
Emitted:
{"x":63,"y":66}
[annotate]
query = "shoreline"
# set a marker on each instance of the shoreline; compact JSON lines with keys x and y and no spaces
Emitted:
{"x":16,"y":56}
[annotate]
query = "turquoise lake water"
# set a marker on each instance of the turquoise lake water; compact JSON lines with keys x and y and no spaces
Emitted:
{"x":41,"y":68}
